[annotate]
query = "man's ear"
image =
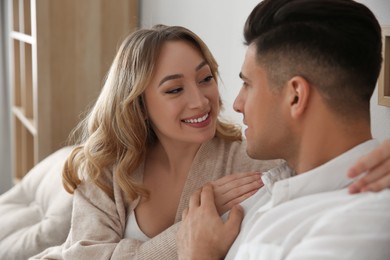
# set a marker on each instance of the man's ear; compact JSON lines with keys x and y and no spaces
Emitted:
{"x":298,"y":94}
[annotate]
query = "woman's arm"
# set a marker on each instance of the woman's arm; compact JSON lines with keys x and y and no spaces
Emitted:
{"x":376,"y":165}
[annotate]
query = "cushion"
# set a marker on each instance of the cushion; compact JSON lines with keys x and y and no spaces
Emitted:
{"x":36,"y":212}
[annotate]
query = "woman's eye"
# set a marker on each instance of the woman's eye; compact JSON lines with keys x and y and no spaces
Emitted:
{"x":208,"y":79}
{"x":174,"y":91}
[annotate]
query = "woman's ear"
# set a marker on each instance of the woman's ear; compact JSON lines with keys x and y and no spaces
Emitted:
{"x":298,"y":95}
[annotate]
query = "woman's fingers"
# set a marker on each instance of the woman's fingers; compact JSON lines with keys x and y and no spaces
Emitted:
{"x":233,"y":189}
{"x":369,"y":161}
{"x":229,"y":180}
{"x":241,"y":189}
{"x":376,"y":179}
{"x":376,"y":165}
{"x":237,"y":200}
{"x":383,"y":183}
{"x":227,"y":183}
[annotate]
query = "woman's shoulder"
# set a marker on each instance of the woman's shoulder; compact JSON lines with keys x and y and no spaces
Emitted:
{"x":223,"y":147}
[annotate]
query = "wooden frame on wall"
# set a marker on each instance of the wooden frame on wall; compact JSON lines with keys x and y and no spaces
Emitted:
{"x":384,"y":77}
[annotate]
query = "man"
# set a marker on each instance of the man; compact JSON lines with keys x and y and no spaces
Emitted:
{"x":308,"y":75}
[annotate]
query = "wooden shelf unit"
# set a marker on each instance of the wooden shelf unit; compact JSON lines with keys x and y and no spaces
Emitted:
{"x":61,"y":51}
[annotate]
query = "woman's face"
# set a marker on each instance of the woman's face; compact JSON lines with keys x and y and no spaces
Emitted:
{"x":182,"y":99}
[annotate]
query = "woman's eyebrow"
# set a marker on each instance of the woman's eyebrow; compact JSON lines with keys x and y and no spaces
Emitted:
{"x":170,"y":77}
{"x":177,"y":76}
{"x":202,"y":64}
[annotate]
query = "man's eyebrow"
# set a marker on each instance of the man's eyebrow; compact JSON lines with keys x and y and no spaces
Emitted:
{"x":242,"y":76}
{"x":177,"y":76}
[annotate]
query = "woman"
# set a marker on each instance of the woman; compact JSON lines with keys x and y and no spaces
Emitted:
{"x":153,"y":137}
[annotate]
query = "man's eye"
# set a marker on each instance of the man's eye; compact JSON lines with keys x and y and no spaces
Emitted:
{"x":174,"y":91}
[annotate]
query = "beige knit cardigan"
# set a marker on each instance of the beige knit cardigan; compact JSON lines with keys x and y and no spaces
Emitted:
{"x":98,"y":222}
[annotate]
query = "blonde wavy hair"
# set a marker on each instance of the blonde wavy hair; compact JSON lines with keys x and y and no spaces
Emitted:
{"x":114,"y":137}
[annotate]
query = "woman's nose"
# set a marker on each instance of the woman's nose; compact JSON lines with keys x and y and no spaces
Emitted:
{"x":197,"y":98}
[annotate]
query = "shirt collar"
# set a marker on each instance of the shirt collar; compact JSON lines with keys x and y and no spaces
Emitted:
{"x":327,"y":177}
{"x":276,"y":174}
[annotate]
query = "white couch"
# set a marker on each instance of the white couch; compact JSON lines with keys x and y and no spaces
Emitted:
{"x":36,"y":212}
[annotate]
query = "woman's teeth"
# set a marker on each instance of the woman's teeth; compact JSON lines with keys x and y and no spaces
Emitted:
{"x":197,"y":120}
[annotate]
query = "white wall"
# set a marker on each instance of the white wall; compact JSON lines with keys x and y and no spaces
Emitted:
{"x":220,"y":22}
{"x":380,"y":115}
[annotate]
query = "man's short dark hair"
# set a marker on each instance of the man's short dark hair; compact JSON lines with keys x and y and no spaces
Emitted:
{"x":335,"y":44}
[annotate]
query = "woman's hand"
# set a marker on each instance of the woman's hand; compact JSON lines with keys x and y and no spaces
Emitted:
{"x":377,"y":166}
{"x":232,"y":189}
{"x":202,"y":233}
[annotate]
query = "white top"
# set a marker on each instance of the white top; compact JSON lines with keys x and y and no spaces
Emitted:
{"x":312,"y":216}
{"x":133,"y":231}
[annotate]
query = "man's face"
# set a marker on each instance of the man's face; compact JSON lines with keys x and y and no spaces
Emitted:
{"x":262,"y":109}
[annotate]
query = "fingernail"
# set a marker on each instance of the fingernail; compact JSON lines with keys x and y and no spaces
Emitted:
{"x":351,"y":173}
{"x":352,"y":189}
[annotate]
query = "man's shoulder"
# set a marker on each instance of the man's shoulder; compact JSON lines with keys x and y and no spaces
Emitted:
{"x":364,"y":212}
{"x":362,"y":203}
{"x":334,"y":222}
{"x":367,"y":201}
{"x":357,"y":228}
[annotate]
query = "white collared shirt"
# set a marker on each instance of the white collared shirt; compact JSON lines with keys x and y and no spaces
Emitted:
{"x":312,"y":216}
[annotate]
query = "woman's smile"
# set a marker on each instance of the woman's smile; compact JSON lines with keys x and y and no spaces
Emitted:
{"x":198,"y":120}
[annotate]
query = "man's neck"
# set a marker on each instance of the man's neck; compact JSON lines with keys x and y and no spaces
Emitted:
{"x":319,"y":145}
